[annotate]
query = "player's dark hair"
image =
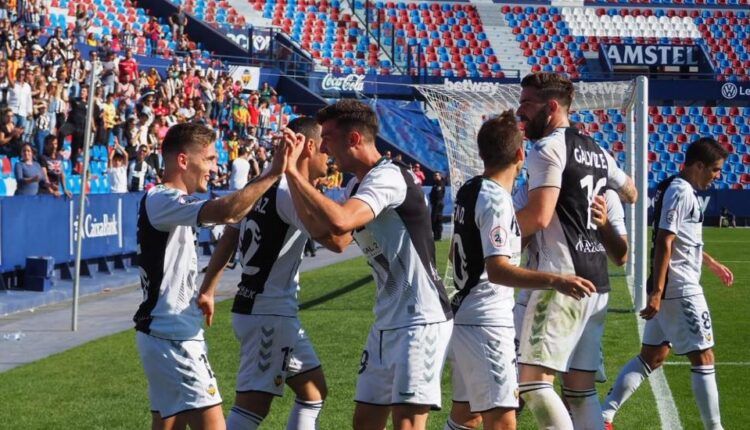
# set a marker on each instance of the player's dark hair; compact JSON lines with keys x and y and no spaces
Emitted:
{"x":706,"y":150}
{"x":351,"y":114}
{"x":181,"y":138}
{"x":306,"y":125}
{"x":499,"y":139}
{"x":550,"y":86}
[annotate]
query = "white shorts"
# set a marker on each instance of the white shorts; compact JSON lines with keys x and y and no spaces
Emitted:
{"x":685,"y":323}
{"x":178,"y":373}
{"x":404,"y":365}
{"x":272,"y":349}
{"x":519,"y":310}
{"x":484,"y":367}
{"x":562,"y":333}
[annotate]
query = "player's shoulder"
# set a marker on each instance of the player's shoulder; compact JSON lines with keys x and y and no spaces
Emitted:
{"x":557,"y":137}
{"x":493,"y":195}
{"x":679,"y":185}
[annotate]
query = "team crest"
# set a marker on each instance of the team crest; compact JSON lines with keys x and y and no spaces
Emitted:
{"x":516,"y":393}
{"x":211,"y":389}
{"x":708,"y":337}
{"x":498,"y":236}
{"x":671,"y":215}
{"x":277,"y":380}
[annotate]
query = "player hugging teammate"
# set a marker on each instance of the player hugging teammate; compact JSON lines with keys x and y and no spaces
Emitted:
{"x":569,"y":216}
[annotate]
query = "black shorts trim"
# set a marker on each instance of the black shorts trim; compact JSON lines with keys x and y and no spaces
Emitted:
{"x":320,"y":366}
{"x":580,"y":370}
{"x":259,"y":391}
{"x":510,"y":408}
{"x":188,"y":410}
{"x":388,"y":405}
{"x":666,"y":343}
{"x":695,"y":350}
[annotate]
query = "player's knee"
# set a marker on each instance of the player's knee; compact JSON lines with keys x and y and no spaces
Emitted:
{"x":702,"y":358}
{"x":654,"y":356}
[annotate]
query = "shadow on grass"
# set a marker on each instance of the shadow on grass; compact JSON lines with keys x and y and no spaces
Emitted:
{"x":336,"y":293}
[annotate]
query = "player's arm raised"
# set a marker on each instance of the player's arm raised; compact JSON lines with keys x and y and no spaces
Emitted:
{"x":662,"y":255}
{"x":615,"y":244}
{"x":721,"y":271}
{"x":220,"y":258}
{"x":501,"y":271}
{"x":322,"y":216}
{"x":233,"y":207}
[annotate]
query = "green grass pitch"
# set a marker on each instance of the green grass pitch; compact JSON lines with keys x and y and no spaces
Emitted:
{"x":101,"y":384}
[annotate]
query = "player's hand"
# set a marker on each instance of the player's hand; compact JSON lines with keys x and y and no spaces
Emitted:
{"x":295,"y":144}
{"x":279,"y":163}
{"x":206,"y":303}
{"x":599,"y":211}
{"x":722,"y":272}
{"x":574,"y":286}
{"x":652,"y":306}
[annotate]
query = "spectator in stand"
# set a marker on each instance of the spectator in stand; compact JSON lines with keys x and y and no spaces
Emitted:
{"x":418,"y":174}
{"x":43,"y":126}
{"x":178,"y":21}
{"x":29,"y":173}
{"x":334,"y":177}
{"x":128,"y":68}
{"x":109,"y":73}
{"x":5,"y":85}
{"x":266,"y":92}
{"x":20,"y":102}
{"x":82,"y":23}
{"x":152,"y":33}
{"x":139,"y":171}
{"x":52,"y":165}
{"x":240,"y":170}
{"x":118,"y":170}
{"x":76,"y":123}
{"x":10,"y":135}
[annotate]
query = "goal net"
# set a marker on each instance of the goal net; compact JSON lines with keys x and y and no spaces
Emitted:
{"x":461,"y":108}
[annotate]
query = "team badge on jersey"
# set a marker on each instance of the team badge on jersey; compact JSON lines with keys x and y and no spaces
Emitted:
{"x":499,"y":236}
{"x":277,"y":380}
{"x":211,"y":390}
{"x":671,"y":214}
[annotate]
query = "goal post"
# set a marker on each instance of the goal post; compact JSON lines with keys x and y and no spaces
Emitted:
{"x":462,"y":107}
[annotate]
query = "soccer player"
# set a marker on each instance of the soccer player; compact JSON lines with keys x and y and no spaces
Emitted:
{"x":387,"y":215}
{"x":274,"y":349}
{"x":486,"y":251}
{"x":676,"y":312}
{"x":182,"y":387}
{"x":566,"y":171}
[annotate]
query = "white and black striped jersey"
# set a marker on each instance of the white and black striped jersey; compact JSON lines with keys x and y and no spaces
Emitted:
{"x":677,"y":210}
{"x":399,"y":247}
{"x":272,"y":240}
{"x":484,"y":225}
{"x":168,"y":262}
{"x":615,"y":216}
{"x":573,"y":162}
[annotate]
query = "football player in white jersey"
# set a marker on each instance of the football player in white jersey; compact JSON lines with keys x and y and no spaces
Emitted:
{"x":676,"y":311}
{"x":182,"y":387}
{"x":386,"y":213}
{"x":566,"y":171}
{"x":485,"y":252}
{"x":274,"y":349}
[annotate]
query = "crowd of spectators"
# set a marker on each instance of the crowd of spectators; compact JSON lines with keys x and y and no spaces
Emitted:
{"x":43,"y":103}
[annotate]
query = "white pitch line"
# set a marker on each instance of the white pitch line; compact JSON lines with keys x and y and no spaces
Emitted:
{"x":668,"y":414}
{"x":725,"y":363}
